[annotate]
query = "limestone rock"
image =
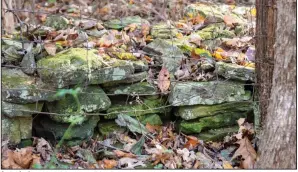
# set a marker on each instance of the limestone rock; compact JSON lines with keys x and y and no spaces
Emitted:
{"x":234,"y":71}
{"x":198,"y":111}
{"x":78,"y":65}
{"x":129,"y":80}
{"x":146,"y":105}
{"x":207,"y":93}
{"x":167,"y":54}
{"x":137,"y":88}
{"x":212,"y":122}
{"x":217,"y":134}
{"x":92,"y":100}
{"x":15,"y":129}
{"x":13,"y":110}
{"x":122,"y":23}
{"x":164,"y":31}
{"x":17,"y":87}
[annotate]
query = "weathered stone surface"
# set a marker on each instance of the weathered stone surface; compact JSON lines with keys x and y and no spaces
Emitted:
{"x":217,"y":134}
{"x":214,"y":31}
{"x":92,"y":100}
{"x":17,"y":87}
{"x":167,"y":54}
{"x":122,"y":23}
{"x":164,"y":31}
{"x":140,"y":66}
{"x":137,"y":88}
{"x":13,"y":110}
{"x":129,"y":80}
{"x":57,"y":22}
{"x":207,"y":93}
{"x":15,"y":129}
{"x":106,"y":128}
{"x":208,"y":11}
{"x":234,"y":71}
{"x":212,"y":122}
{"x":147,"y":105}
{"x":10,"y":54}
{"x":77,"y":65}
{"x":53,"y":131}
{"x":198,"y":111}
{"x":28,"y":63}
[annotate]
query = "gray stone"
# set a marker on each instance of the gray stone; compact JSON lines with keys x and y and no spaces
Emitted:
{"x":17,"y":87}
{"x":163,"y":31}
{"x":28,"y":63}
{"x":78,"y":65}
{"x":129,"y":80}
{"x":234,"y":71}
{"x":15,"y":129}
{"x":122,"y":23}
{"x":92,"y":100}
{"x":57,"y":22}
{"x":167,"y":54}
{"x":198,"y":111}
{"x":207,"y":93}
{"x":211,"y":122}
{"x":13,"y":110}
{"x":137,"y":88}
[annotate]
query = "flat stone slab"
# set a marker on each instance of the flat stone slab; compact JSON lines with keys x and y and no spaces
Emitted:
{"x":199,"y":111}
{"x":207,"y":93}
{"x":13,"y":110}
{"x":234,"y":71}
{"x":17,"y":87}
{"x":15,"y":129}
{"x":137,"y":88}
{"x":78,"y":65}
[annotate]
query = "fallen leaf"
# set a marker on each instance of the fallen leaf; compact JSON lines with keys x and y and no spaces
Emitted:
{"x":130,"y":162}
{"x":229,"y":20}
{"x":121,"y":154}
{"x":192,"y":142}
{"x":227,"y":165}
{"x":152,"y":128}
{"x":196,"y":165}
{"x":164,"y":80}
{"x":44,"y":148}
{"x":50,"y":48}
{"x":247,"y":152}
{"x":109,"y":164}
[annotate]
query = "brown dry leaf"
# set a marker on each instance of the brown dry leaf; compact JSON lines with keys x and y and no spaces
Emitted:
{"x":9,"y":162}
{"x":44,"y":148}
{"x":195,"y":38}
{"x":50,"y":48}
{"x":240,"y":121}
{"x":131,"y":163}
{"x":229,"y":20}
{"x":164,"y":80}
{"x":35,"y":161}
{"x":196,"y":165}
{"x":120,"y":153}
{"x":227,"y":165}
{"x":247,"y":152}
{"x":161,"y":158}
{"x":109,"y":164}
{"x":192,"y":142}
{"x":18,"y":159}
{"x":199,"y":19}
{"x":145,"y":28}
{"x":152,"y":128}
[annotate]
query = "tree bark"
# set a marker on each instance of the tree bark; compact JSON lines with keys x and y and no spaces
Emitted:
{"x":278,"y":139}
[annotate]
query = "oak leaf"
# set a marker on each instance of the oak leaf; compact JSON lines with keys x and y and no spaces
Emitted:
{"x":164,"y":80}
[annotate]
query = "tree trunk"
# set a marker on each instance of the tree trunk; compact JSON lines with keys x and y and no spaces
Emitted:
{"x":278,"y":139}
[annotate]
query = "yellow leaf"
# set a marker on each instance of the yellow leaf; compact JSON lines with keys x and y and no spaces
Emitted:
{"x":179,"y":35}
{"x":227,"y":165}
{"x":253,"y":12}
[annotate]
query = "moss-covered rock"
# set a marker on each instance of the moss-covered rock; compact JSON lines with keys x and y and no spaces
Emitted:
{"x":92,"y":100}
{"x":212,"y":122}
{"x":234,"y":71}
{"x":164,"y":31}
{"x":106,"y":128}
{"x":129,"y":80}
{"x":208,"y":11}
{"x":217,"y":134}
{"x":13,"y":110}
{"x":57,"y":22}
{"x":128,"y":89}
{"x":147,"y":105}
{"x":207,"y":93}
{"x":165,"y":53}
{"x":214,"y":31}
{"x":198,"y":111}
{"x":17,"y":87}
{"x":53,"y":131}
{"x":122,"y":23}
{"x":15,"y":129}
{"x":78,"y":65}
{"x":152,"y":119}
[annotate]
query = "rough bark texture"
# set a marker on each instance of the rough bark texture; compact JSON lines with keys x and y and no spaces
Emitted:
{"x":278,"y":140}
{"x":265,"y":34}
{"x":7,"y":17}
